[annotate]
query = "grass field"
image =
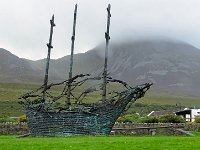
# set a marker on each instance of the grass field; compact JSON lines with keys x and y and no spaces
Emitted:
{"x":99,"y":143}
{"x":10,"y":92}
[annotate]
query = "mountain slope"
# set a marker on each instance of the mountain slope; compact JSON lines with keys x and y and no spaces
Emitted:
{"x":15,"y":69}
{"x":170,"y":65}
{"x":83,"y":63}
{"x":165,"y":63}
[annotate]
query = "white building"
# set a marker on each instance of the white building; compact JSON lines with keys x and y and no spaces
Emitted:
{"x":189,"y":114}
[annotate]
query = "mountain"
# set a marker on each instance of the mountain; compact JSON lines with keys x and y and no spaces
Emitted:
{"x":83,"y":63}
{"x":15,"y":69}
{"x":171,"y":65}
{"x":168,"y":64}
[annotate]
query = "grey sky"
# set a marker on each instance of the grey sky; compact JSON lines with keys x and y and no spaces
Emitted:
{"x":25,"y":24}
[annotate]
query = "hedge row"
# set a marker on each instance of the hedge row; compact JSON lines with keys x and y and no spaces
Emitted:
{"x":163,"y":119}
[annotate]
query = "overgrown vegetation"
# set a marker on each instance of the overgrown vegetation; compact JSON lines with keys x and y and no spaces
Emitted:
{"x":171,"y":119}
{"x":197,"y":119}
{"x":150,"y":120}
{"x":22,"y":118}
{"x":135,"y":118}
{"x":8,"y":120}
{"x":129,"y":118}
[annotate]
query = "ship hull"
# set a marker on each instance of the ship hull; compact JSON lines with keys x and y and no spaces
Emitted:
{"x":97,"y":121}
{"x":68,"y":124}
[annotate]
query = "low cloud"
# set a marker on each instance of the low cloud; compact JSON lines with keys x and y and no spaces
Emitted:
{"x":25,"y":24}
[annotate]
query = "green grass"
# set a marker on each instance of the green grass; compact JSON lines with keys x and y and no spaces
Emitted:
{"x":12,"y":91}
{"x":99,"y":143}
{"x":8,"y":120}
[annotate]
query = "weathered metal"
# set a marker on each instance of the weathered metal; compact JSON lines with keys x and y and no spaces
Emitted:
{"x":68,"y":103}
{"x":84,"y":118}
{"x":107,"y":36}
{"x":49,"y":45}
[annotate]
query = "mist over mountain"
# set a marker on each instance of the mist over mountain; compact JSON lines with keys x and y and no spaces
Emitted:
{"x":169,"y":64}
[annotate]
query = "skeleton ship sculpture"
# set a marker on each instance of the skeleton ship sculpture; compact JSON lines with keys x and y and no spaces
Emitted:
{"x":78,"y":118}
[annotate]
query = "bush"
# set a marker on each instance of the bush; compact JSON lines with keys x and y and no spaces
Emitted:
{"x":22,"y":118}
{"x":164,"y":119}
{"x":197,"y":119}
{"x":171,"y":119}
{"x":150,"y":120}
{"x":129,"y":118}
{"x":7,"y":120}
{"x":135,"y":118}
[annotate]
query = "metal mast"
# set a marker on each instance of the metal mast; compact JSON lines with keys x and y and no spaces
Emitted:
{"x":49,"y":45}
{"x":71,"y":59}
{"x":107,"y":36}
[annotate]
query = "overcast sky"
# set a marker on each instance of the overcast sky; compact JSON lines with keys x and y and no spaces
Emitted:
{"x":24,"y":28}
